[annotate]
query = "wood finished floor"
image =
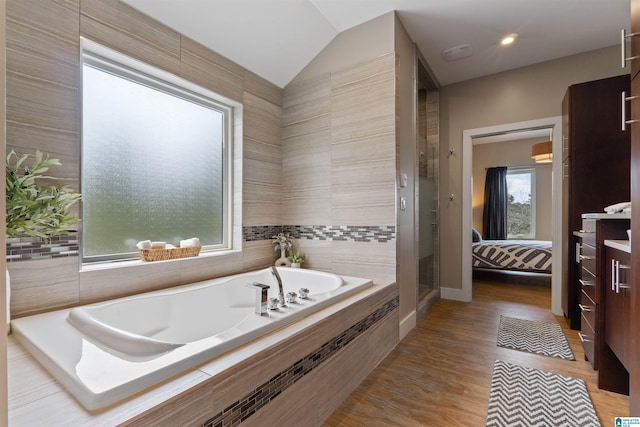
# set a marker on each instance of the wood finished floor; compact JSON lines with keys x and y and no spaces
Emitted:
{"x":439,"y":374}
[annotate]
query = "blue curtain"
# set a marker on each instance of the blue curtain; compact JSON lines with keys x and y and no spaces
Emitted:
{"x":494,"y":218}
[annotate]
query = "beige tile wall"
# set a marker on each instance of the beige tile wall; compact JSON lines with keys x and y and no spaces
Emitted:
{"x":43,"y":51}
{"x":339,"y":157}
{"x":322,"y":152}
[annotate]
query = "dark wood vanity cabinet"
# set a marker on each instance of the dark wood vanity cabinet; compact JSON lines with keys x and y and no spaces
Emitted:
{"x":591,"y":270}
{"x":595,"y":167}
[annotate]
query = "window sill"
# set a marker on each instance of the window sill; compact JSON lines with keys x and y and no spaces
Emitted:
{"x":108,"y":265}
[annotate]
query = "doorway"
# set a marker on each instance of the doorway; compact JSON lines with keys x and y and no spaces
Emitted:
{"x":554,"y":125}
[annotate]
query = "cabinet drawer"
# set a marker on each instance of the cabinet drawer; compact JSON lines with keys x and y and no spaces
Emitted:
{"x":589,"y":310}
{"x":588,"y":284}
{"x":588,"y":258}
{"x":588,"y":337}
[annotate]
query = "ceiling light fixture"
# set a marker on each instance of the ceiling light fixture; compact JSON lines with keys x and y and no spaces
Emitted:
{"x":542,"y":152}
{"x":508,"y":39}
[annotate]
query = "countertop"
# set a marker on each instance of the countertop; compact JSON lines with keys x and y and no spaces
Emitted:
{"x":622,"y":245}
{"x":604,"y":215}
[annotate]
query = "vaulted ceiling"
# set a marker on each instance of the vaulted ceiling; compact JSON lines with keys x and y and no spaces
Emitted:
{"x":276,"y":39}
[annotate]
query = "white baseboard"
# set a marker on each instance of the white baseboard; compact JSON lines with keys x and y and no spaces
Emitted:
{"x":455,"y":294}
{"x":407,"y":324}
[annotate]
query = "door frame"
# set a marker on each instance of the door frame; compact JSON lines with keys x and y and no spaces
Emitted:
{"x":554,"y":124}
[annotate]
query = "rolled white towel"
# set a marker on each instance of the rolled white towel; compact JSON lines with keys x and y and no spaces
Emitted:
{"x":145,"y":244}
{"x":190,"y":243}
{"x":158,"y":245}
{"x":627,"y":209}
{"x":618,"y":207}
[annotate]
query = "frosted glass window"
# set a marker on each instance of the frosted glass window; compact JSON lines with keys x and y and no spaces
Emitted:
{"x":153,"y":164}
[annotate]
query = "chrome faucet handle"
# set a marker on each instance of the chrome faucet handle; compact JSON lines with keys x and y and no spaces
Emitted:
{"x":273,"y":303}
{"x":261,"y":297}
{"x":291,"y":297}
{"x":304,"y":293}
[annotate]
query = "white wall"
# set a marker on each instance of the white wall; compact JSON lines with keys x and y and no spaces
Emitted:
{"x":524,"y":94}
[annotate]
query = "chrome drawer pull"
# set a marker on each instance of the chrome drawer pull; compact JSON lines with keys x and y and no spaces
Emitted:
{"x":623,"y":45}
{"x":624,"y":286}
{"x":626,"y":99}
{"x":583,"y":337}
{"x":586,"y":308}
{"x":586,"y":282}
{"x":586,"y":257}
{"x":624,"y":267}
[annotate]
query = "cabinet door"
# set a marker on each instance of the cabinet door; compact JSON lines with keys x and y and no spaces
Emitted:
{"x":617,"y":304}
{"x":635,"y":40}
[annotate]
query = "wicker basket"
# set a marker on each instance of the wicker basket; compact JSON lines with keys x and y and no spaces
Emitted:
{"x":165,"y":254}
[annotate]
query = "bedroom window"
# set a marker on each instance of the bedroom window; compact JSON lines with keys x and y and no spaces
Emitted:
{"x":521,"y":209}
{"x":156,"y":158}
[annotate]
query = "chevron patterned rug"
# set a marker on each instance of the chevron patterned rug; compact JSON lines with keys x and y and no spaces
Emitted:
{"x":538,"y":337}
{"x":526,"y":397}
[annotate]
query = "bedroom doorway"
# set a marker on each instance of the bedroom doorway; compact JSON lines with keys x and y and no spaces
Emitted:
{"x":553,"y":125}
{"x":427,"y":195}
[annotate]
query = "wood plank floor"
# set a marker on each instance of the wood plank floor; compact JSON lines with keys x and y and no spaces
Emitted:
{"x":439,"y":375}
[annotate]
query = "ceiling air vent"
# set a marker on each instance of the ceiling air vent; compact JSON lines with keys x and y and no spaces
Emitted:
{"x":457,"y":52}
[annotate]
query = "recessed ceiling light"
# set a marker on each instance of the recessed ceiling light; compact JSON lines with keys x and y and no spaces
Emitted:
{"x":508,"y":39}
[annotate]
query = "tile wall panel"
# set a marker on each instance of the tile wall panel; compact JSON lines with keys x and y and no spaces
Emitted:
{"x":307,"y":107}
{"x":261,"y":88}
{"x":306,"y":172}
{"x":210,"y":70}
{"x":263,"y":129}
{"x":363,"y":144}
{"x":371,"y":260}
{"x":307,"y":152}
{"x":262,"y":193}
{"x":121,"y":27}
{"x":42,"y":81}
{"x":43,"y":285}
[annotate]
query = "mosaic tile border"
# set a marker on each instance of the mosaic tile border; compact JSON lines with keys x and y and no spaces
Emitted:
{"x":354,"y":233}
{"x":248,"y":405}
{"x":29,"y":248}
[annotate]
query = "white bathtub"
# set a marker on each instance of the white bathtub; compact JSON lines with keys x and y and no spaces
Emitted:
{"x":105,"y":352}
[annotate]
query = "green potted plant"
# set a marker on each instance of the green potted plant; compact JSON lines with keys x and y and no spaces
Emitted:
{"x":36,"y":206}
{"x":282,"y":242}
{"x":296,"y":259}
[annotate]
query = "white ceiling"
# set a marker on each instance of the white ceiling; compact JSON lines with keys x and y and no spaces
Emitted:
{"x":276,"y":39}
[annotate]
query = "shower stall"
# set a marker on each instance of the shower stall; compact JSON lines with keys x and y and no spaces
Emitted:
{"x":427,"y":215}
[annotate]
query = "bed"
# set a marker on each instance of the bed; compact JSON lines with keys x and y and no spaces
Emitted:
{"x":530,"y":256}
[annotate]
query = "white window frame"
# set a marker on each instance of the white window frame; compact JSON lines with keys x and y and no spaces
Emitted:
{"x":532,"y":171}
{"x":105,"y":59}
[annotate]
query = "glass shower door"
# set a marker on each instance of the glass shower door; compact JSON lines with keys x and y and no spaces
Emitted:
{"x":428,"y":210}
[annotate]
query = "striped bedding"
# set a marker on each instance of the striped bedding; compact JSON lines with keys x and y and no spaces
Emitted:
{"x":519,"y":255}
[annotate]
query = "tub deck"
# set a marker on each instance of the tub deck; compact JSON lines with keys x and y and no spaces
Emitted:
{"x":35,"y":395}
{"x":100,"y":367}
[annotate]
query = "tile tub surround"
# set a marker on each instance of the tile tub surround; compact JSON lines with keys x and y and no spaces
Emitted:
{"x":197,"y":396}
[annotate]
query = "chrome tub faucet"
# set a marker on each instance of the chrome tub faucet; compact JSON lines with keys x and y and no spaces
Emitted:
{"x":281,"y":300}
{"x":262,"y":298}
